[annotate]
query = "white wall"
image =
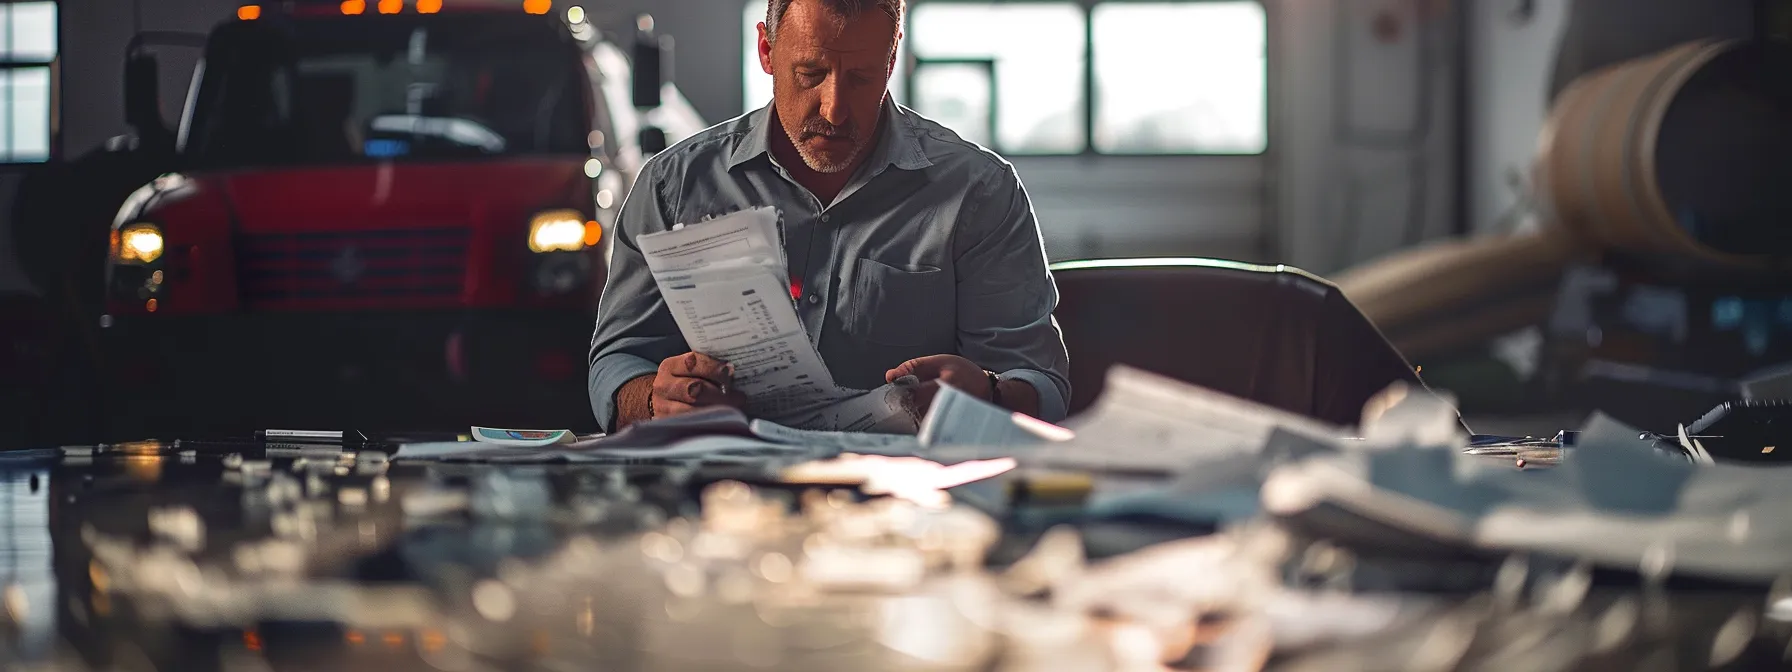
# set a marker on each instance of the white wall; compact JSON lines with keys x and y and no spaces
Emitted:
{"x":1364,"y":126}
{"x":1109,"y":206}
{"x":1513,"y":56}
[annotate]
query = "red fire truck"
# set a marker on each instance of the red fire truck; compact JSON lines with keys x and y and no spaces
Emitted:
{"x":377,"y":215}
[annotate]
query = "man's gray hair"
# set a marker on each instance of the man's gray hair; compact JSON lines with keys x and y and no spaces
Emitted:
{"x":774,"y":12}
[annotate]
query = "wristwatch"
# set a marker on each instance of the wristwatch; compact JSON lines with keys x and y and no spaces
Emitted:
{"x":995,"y":387}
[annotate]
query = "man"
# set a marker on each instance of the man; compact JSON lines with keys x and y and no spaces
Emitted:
{"x":911,"y":251}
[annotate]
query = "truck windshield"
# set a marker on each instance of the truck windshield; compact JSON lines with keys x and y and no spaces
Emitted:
{"x":322,"y":90}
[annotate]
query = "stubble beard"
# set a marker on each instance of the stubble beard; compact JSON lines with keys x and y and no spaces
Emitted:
{"x":821,"y":163}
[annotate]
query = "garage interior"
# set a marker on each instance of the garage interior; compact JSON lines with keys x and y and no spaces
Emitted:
{"x":1561,"y":229}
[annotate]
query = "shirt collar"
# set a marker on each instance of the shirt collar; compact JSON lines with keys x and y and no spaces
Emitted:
{"x":896,"y":145}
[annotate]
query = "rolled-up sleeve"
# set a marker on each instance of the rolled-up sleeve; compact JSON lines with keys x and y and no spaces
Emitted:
{"x":1006,"y":294}
{"x":634,"y":330}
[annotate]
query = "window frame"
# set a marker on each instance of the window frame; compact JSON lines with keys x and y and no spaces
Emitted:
{"x":917,"y":64}
{"x":1091,"y":97}
{"x":9,"y":64}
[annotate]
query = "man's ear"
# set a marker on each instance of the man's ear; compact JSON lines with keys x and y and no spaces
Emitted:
{"x":765,"y":50}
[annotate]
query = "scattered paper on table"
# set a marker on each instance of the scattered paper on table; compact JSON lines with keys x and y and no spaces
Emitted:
{"x":1144,"y":422}
{"x":958,"y":419}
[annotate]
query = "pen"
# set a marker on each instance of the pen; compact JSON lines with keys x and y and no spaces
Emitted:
{"x":350,"y":437}
{"x":310,"y":436}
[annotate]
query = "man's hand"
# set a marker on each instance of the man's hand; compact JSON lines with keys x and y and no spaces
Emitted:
{"x":936,"y":370}
{"x":683,"y":384}
{"x":691,"y":381}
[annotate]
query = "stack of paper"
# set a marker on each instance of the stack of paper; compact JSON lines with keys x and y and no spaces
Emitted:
{"x":713,"y":435}
{"x":725,"y":280}
{"x":1614,"y":501}
{"x":1146,"y":423}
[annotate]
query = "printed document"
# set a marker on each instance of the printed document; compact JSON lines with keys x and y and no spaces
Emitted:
{"x":1144,"y":422}
{"x":725,"y":282}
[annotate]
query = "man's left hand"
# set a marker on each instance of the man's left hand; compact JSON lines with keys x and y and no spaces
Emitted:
{"x":936,"y":370}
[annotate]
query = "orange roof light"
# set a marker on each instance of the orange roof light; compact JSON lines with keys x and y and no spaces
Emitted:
{"x":352,"y":7}
{"x":248,"y":12}
{"x":594,"y":232}
{"x":391,"y":6}
{"x":429,"y":6}
{"x":537,"y":6}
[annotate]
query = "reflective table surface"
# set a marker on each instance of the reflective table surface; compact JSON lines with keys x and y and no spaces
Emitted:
{"x":220,"y":556}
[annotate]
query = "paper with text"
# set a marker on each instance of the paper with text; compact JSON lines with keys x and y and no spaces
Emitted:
{"x":725,"y":282}
{"x":958,"y":419}
{"x":1149,"y":423}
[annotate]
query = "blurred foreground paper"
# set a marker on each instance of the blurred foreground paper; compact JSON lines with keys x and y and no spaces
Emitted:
{"x":1146,"y":423}
{"x":958,"y":419}
{"x":1613,"y":500}
{"x":709,"y":435}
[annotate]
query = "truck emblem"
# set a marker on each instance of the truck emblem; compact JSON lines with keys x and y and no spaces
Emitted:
{"x":348,"y":266}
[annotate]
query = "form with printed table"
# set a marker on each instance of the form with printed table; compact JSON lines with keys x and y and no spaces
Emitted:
{"x":724,"y":281}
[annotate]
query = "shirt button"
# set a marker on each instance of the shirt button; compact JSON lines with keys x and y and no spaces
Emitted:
{"x":813,"y":299}
{"x":825,"y":218}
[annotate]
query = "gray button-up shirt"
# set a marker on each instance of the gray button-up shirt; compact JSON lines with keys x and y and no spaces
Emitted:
{"x":931,"y":249}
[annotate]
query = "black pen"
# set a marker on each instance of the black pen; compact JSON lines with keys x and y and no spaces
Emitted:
{"x":349,"y":437}
{"x":309,"y":436}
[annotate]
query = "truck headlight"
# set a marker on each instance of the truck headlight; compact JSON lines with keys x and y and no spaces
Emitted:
{"x":139,"y":243}
{"x":562,"y":231}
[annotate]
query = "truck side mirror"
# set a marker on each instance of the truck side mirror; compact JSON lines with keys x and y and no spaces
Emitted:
{"x":143,"y":101}
{"x":652,"y":63}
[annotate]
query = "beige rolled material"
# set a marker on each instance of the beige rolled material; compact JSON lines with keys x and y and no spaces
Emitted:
{"x":1447,"y":296}
{"x":1597,"y":164}
{"x":1600,"y":179}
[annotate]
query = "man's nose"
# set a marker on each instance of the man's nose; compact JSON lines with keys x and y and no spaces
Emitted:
{"x":833,"y":101}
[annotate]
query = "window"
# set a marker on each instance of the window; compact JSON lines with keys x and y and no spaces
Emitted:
{"x":1170,"y":76}
{"x":757,"y":86}
{"x":1035,"y":58}
{"x":27,"y":46}
{"x":1180,"y":77}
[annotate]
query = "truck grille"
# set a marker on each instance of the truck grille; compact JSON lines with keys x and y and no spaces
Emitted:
{"x":361,"y":268}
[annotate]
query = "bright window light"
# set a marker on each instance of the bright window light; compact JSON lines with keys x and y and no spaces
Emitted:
{"x":1037,"y":49}
{"x":27,"y":45}
{"x":1180,"y":77}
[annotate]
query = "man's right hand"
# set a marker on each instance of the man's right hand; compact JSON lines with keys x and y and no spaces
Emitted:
{"x":691,"y":381}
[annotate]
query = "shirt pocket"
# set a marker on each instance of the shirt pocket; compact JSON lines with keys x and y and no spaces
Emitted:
{"x":902,"y":307}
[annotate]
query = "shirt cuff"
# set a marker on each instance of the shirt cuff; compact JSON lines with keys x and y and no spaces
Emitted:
{"x":608,"y":374}
{"x":1052,"y":407}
